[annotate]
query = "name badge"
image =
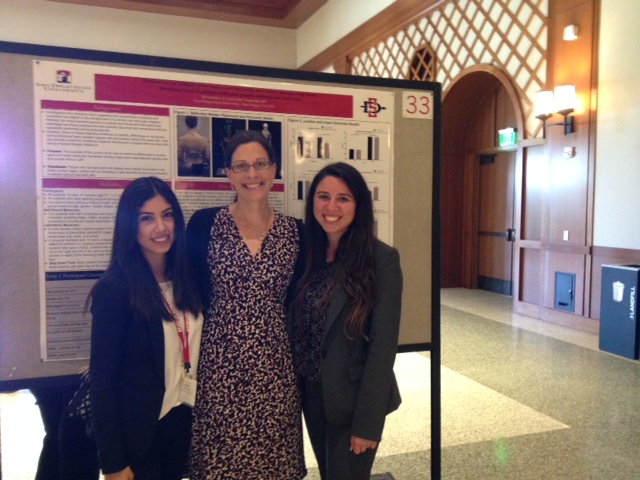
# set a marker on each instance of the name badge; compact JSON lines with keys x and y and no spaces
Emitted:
{"x":188,"y":391}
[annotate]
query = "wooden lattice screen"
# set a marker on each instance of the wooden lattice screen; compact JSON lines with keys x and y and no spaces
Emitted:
{"x":510,"y":35}
{"x":423,"y":65}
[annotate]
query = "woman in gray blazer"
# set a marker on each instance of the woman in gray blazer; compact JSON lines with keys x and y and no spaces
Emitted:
{"x":345,"y":321}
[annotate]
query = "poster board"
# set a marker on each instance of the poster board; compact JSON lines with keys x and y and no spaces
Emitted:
{"x":56,"y":107}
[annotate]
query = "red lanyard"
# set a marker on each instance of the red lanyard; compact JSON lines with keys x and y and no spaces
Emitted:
{"x":184,"y":339}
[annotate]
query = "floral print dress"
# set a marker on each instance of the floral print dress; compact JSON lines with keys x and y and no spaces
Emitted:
{"x":247,"y":417}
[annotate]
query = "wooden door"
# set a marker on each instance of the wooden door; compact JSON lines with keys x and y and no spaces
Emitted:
{"x":496,"y":234}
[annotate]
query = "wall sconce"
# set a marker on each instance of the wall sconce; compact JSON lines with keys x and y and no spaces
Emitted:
{"x":570,"y":33}
{"x":562,"y":100}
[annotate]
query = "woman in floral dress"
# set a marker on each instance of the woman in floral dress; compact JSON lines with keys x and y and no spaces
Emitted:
{"x":247,"y":418}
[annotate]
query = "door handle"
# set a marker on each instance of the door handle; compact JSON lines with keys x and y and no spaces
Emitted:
{"x":511,"y":235}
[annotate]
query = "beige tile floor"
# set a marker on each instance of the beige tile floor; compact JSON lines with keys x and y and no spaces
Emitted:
{"x":521,"y":399}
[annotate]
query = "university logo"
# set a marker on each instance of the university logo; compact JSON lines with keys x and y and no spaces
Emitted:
{"x":63,"y":76}
{"x":371,"y":107}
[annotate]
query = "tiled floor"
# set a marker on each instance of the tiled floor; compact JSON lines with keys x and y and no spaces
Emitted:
{"x":521,"y":399}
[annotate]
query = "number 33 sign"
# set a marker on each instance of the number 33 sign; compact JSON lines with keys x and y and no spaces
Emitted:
{"x":417,"y":105}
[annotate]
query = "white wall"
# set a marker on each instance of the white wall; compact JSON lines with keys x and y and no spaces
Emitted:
{"x":617,"y":184}
{"x":332,"y":22}
{"x":98,"y":28}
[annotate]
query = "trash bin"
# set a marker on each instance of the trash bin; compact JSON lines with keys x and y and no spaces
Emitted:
{"x":618,"y":310}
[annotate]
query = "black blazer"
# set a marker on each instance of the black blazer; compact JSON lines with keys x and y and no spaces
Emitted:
{"x":198,"y":239}
{"x":127,"y":376}
{"x":358,"y":383}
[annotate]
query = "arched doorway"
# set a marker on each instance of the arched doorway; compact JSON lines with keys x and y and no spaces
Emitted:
{"x":480,"y":182}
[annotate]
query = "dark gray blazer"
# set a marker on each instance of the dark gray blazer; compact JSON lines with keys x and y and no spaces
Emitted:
{"x":358,"y":383}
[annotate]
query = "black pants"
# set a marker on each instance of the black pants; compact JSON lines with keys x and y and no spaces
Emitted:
{"x":51,"y":401}
{"x":331,"y":443}
{"x":169,"y":453}
{"x":78,"y":451}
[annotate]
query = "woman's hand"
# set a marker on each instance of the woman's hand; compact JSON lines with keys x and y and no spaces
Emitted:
{"x":359,"y":445}
{"x":126,"y":474}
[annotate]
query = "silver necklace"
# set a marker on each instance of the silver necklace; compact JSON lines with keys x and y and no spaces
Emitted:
{"x":260,"y":235}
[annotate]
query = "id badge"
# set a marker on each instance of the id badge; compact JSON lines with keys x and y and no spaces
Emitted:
{"x":188,"y":391}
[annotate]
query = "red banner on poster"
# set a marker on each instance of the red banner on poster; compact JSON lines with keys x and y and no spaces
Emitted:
{"x":153,"y":91}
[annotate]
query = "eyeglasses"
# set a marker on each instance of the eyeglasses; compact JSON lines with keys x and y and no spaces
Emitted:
{"x":244,"y":167}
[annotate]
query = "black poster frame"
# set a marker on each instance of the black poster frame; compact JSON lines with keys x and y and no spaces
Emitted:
{"x":187,"y":65}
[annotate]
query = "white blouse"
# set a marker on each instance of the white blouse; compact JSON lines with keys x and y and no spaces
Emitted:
{"x":174,"y":371}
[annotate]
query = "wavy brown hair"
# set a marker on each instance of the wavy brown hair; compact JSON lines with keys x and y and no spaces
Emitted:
{"x":355,"y":256}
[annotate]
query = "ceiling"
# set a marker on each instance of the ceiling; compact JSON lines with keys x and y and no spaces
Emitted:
{"x":273,"y":13}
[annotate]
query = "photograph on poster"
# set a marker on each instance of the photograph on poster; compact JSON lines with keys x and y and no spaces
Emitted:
{"x":194,"y":146}
{"x":223,"y":129}
{"x":272,"y":131}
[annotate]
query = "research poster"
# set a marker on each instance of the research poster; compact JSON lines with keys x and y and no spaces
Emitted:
{"x":100,"y":127}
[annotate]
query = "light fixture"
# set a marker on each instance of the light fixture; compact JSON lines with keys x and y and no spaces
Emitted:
{"x":570,"y":33}
{"x":562,"y":100}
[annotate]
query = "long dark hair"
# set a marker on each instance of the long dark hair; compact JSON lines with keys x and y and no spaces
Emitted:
{"x":127,"y":258}
{"x":355,"y":256}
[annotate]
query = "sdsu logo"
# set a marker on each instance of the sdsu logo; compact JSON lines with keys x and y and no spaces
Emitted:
{"x":371,"y":107}
{"x":63,"y":76}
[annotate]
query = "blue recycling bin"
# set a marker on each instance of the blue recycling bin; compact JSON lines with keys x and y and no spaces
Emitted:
{"x":619,"y":310}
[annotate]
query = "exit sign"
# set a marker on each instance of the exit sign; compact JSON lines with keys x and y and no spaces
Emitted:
{"x":507,"y":137}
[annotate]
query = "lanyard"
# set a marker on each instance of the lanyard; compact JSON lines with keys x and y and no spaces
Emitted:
{"x":184,"y":336}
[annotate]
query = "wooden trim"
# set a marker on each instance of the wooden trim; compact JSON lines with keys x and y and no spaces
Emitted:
{"x":569,"y":320}
{"x":532,"y":244}
{"x":342,"y":66}
{"x":282,"y":14}
{"x":531,"y":142}
{"x":593,"y":121}
{"x":526,"y":309}
{"x":568,"y":249}
{"x":624,"y":254}
{"x":574,"y":321}
{"x":494,"y":150}
{"x":501,"y":77}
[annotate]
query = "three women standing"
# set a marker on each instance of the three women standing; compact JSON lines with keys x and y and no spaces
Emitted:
{"x":247,"y":421}
{"x":145,"y":340}
{"x":247,"y":424}
{"x":346,"y":317}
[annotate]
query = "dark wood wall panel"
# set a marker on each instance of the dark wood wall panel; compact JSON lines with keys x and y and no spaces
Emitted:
{"x":451,"y":204}
{"x":530,"y":275}
{"x":569,"y":185}
{"x":567,"y":199}
{"x":483,"y":127}
{"x":570,"y":62}
{"x":470,"y":220}
{"x":489,"y":262}
{"x":533,"y":192}
{"x":494,"y":181}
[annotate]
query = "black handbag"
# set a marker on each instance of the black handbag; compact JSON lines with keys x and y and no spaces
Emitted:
{"x":80,"y":406}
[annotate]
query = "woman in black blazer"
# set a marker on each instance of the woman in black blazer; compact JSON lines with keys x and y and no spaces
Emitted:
{"x":145,"y":340}
{"x":345,"y":321}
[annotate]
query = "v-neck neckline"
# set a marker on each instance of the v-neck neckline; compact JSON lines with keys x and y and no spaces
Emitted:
{"x":244,"y":243}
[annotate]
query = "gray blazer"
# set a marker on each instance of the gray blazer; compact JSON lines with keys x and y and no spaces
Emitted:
{"x":358,"y":383}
